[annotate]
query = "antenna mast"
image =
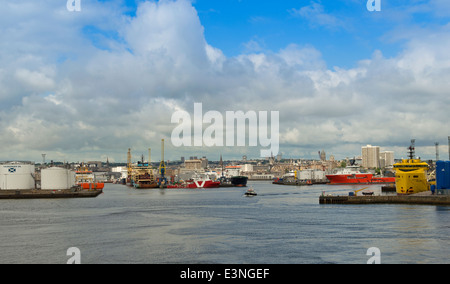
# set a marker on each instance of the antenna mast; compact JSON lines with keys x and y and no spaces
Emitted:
{"x":412,"y":149}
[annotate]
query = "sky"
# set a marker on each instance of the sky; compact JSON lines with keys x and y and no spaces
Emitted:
{"x":87,"y":85}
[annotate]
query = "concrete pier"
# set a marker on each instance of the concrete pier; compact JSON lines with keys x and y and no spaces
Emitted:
{"x":406,"y":199}
{"x":48,"y":194}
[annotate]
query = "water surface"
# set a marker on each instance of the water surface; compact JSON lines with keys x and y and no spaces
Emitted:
{"x":282,"y":225}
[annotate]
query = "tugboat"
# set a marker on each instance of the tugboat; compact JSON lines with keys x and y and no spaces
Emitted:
{"x":251,"y":192}
{"x":411,"y":174}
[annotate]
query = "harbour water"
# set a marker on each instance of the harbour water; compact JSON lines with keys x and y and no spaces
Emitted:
{"x":282,"y":225}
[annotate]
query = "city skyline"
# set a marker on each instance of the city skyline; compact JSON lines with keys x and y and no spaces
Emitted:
{"x":89,"y":83}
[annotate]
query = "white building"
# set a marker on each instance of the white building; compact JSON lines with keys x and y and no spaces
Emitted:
{"x":370,"y":156}
{"x":386,"y":159}
{"x":122,"y":170}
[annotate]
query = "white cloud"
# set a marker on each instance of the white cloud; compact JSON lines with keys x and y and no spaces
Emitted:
{"x":35,"y":80}
{"x":63,"y":95}
{"x":317,"y":17}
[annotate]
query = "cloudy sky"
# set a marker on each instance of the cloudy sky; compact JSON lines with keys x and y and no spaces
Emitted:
{"x":89,"y":84}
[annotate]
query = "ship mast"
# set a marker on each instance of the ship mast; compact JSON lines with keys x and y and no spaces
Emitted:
{"x":412,"y":149}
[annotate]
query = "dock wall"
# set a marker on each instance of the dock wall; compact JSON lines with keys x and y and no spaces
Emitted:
{"x":47,"y":194}
{"x":417,"y":200}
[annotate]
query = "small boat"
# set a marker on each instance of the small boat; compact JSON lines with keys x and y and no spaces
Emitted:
{"x":250,"y":192}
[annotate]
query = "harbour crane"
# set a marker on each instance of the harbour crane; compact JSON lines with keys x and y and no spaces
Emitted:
{"x":129,"y":166}
{"x":162,"y":167}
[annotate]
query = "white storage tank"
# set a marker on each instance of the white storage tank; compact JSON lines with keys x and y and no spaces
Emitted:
{"x":305,"y":175}
{"x":311,"y":174}
{"x":57,"y":179}
{"x":17,"y":176}
{"x":319,"y":175}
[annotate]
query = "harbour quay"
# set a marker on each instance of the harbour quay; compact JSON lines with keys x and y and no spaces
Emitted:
{"x":48,"y":194}
{"x":415,"y":199}
{"x":21,"y":180}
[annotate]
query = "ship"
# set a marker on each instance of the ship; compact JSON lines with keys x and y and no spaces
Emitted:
{"x":145,"y":181}
{"x":142,"y":176}
{"x":205,"y":183}
{"x":411,"y":174}
{"x":239,"y":181}
{"x":352,"y":175}
{"x":86,"y":179}
{"x":197,"y":182}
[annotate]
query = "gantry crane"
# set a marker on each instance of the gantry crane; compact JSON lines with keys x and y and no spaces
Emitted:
{"x":129,"y":166}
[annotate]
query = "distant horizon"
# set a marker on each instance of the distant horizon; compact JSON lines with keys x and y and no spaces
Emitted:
{"x":443,"y":157}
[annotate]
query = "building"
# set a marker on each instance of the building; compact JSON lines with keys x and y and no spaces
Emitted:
{"x":323,"y":155}
{"x":370,"y":156}
{"x":387,"y":159}
{"x":193,"y":164}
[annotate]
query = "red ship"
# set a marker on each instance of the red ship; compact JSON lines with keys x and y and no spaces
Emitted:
{"x":197,"y":183}
{"x":351,"y":175}
{"x":203,"y":184}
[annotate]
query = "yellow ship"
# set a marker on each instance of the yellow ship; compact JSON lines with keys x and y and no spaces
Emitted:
{"x":411,"y":175}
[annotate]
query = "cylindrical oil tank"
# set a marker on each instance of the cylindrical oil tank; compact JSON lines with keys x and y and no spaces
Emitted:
{"x":57,"y":179}
{"x":17,"y":176}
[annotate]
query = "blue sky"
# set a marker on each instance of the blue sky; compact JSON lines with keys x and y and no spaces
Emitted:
{"x":344,"y":31}
{"x":89,"y":85}
{"x":248,"y":26}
